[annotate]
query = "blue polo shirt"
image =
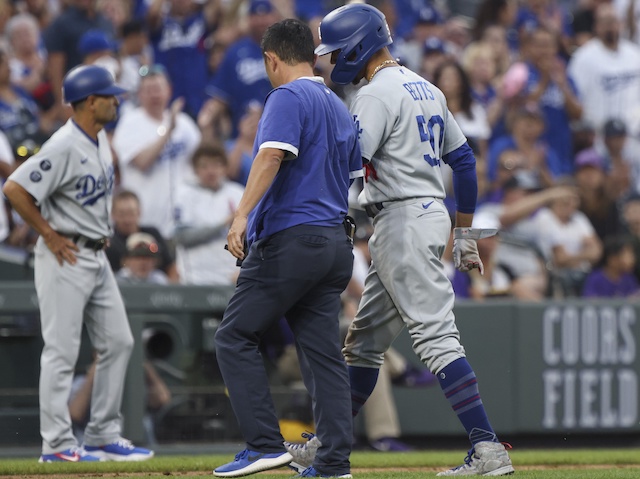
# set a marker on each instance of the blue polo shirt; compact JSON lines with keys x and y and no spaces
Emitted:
{"x":311,"y":124}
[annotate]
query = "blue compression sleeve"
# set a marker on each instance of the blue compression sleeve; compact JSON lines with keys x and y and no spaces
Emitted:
{"x":465,"y":181}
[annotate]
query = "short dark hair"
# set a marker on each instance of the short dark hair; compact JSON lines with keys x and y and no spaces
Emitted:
{"x":613,"y":246}
{"x":77,"y":104}
{"x":209,"y":151}
{"x":291,"y":40}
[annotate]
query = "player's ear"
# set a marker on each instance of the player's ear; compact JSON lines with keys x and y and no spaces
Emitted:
{"x":89,"y":102}
{"x":270,"y":60}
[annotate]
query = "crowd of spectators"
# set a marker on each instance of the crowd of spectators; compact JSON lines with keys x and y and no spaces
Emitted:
{"x":547,"y":92}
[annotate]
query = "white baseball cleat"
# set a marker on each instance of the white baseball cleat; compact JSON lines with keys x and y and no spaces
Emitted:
{"x":484,"y":459}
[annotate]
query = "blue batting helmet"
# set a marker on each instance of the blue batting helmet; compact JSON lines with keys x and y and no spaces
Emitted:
{"x":358,"y":31}
{"x":86,"y":80}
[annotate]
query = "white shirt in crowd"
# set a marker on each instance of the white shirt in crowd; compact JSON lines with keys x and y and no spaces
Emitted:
{"x":198,"y":207}
{"x":570,"y":235}
{"x":157,"y":186}
{"x":608,"y":81}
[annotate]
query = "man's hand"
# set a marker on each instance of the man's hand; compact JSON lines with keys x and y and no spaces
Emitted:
{"x":63,"y":248}
{"x":465,"y":248}
{"x":236,"y":236}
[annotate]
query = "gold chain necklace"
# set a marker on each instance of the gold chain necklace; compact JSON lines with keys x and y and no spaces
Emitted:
{"x":382,"y":65}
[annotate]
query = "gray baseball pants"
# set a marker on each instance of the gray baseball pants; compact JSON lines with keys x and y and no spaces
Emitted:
{"x":407,"y":285}
{"x":65,"y":294}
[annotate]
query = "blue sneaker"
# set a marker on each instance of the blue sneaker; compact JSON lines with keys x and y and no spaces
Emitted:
{"x":249,"y":462}
{"x":311,"y":472}
{"x":120,"y":450}
{"x":74,"y":454}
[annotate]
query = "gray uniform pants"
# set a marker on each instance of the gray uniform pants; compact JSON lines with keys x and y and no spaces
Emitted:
{"x":407,"y":285}
{"x":65,"y":294}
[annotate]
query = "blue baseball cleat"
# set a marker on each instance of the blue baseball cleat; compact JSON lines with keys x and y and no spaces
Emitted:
{"x":249,"y":462}
{"x":120,"y":450}
{"x":311,"y":472}
{"x":74,"y":454}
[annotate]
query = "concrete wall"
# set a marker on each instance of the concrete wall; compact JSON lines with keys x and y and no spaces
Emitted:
{"x":542,"y":368}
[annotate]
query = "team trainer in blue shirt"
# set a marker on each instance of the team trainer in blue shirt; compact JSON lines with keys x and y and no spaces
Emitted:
{"x":299,"y":258}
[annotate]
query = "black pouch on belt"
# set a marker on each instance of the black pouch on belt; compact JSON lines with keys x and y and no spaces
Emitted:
{"x":349,"y":227}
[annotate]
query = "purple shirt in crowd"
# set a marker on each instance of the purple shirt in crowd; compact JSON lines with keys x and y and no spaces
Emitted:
{"x":598,"y":285}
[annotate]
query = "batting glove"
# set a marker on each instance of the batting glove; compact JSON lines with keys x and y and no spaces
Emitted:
{"x":465,"y":251}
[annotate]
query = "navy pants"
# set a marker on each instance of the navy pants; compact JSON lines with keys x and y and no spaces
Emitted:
{"x":298,"y":273}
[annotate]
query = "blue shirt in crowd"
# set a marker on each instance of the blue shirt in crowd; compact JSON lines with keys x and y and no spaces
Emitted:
{"x":179,"y":47}
{"x":507,"y":143}
{"x":240,"y":79}
{"x":557,"y":131}
{"x":20,"y":119}
{"x":313,"y":126}
{"x":64,"y":32}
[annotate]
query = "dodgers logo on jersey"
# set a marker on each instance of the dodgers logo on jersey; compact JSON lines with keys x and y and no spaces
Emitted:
{"x":91,"y":189}
{"x":172,"y":150}
{"x":358,"y":129}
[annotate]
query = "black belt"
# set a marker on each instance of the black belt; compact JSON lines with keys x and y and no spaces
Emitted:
{"x":84,"y":242}
{"x":373,"y":209}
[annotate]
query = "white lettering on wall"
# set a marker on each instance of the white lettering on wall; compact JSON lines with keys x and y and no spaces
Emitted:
{"x":588,"y":383}
{"x":628,"y":380}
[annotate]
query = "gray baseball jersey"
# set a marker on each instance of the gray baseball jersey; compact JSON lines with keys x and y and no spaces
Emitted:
{"x":72,"y":180}
{"x":405,"y":130}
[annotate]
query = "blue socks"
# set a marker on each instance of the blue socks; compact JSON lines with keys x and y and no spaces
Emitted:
{"x":460,"y":387}
{"x":363,"y":381}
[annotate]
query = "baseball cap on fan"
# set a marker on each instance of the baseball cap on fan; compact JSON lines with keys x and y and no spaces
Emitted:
{"x":260,"y":7}
{"x":429,"y":15}
{"x":142,"y":244}
{"x":614,"y":127}
{"x":433,"y":45}
{"x":93,"y":41}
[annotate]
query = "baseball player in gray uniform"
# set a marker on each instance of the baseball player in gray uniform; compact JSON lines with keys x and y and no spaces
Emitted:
{"x":64,"y":192}
{"x":406,"y":132}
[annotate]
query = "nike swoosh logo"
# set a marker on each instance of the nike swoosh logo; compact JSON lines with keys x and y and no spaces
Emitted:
{"x":426,"y":205}
{"x":254,"y":458}
{"x":74,"y":458}
{"x":84,"y":160}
